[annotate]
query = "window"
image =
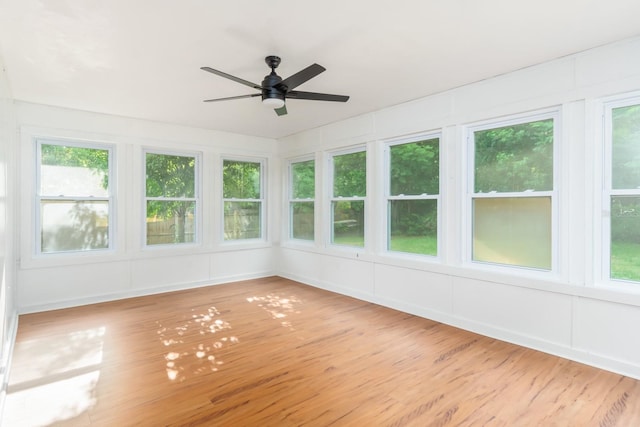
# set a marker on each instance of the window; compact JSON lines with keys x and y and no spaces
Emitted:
{"x":302,"y":190}
{"x":171,"y":198}
{"x":349,"y":190}
{"x":74,"y":197}
{"x":242,"y":199}
{"x":412,"y":199}
{"x":622,"y":192}
{"x":512,"y":198}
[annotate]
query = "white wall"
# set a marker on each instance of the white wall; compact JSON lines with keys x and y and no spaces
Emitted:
{"x":8,"y":313}
{"x":573,"y":311}
{"x":61,"y":280}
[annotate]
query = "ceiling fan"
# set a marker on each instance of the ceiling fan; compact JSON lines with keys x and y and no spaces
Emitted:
{"x":274,"y":90}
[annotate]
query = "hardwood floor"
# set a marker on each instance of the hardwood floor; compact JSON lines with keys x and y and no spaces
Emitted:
{"x":272,"y":352}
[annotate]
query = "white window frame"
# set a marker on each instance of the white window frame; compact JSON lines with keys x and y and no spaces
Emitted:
{"x":262,"y":200}
{"x":608,"y":192}
{"x":197,"y":199}
{"x":333,"y":199}
{"x":291,"y":200}
{"x":555,"y":115}
{"x":110,"y":198}
{"x":388,"y":197}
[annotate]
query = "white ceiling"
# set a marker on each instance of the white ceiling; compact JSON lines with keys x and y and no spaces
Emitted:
{"x":142,"y":58}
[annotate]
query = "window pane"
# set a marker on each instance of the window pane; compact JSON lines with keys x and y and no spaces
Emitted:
{"x":626,"y":147}
{"x":514,"y":231}
{"x":170,"y":176}
{"x":74,"y":226}
{"x":74,"y":171}
{"x":241,"y":180}
{"x":350,"y":175}
{"x":625,"y":238}
{"x":242,"y":220}
{"x":303,"y":180}
{"x":170,"y":222}
{"x":348,"y":223}
{"x":413,"y":226}
{"x":514,"y":158}
{"x":414,"y":168}
{"x":302,"y":226}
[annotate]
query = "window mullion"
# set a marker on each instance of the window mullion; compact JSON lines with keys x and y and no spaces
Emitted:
{"x":416,"y":197}
{"x":494,"y":195}
{"x":633,"y":192}
{"x":74,"y":198}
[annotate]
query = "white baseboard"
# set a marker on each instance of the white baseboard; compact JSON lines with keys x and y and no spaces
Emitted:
{"x":132,"y":293}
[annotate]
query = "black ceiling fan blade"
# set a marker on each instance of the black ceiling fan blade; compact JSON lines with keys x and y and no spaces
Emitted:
{"x":233,"y":97}
{"x":296,"y":94}
{"x":230,"y":77}
{"x":300,"y":77}
{"x":281,"y":111}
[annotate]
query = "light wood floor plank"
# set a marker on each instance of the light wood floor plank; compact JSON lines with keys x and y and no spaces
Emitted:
{"x":273,"y":352}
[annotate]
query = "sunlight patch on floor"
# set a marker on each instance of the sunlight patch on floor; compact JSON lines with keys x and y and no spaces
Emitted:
{"x":56,"y":401}
{"x":199,"y":358}
{"x":43,"y":357}
{"x":279,"y":307}
{"x":54,"y":378}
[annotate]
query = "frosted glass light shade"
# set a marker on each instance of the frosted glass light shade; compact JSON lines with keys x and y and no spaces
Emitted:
{"x":273,"y":102}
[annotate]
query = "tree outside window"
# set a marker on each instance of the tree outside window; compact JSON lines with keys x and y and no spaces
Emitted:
{"x":624,"y":194}
{"x":349,"y":190}
{"x":74,"y":197}
{"x":412,"y":202}
{"x":513,"y":193}
{"x":242,"y":199}
{"x":301,"y":199}
{"x":171,"y":198}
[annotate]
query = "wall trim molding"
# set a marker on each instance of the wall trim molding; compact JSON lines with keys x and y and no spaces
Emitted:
{"x":133,"y":293}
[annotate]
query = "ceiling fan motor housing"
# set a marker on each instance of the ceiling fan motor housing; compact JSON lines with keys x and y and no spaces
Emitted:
{"x":268,"y":87}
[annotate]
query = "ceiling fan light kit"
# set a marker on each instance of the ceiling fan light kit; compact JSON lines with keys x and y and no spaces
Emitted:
{"x":273,"y":102}
{"x":274,"y":90}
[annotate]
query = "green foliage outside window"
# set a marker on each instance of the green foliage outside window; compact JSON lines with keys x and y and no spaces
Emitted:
{"x":303,"y":180}
{"x":349,"y":181}
{"x":95,"y":160}
{"x":73,"y":198}
{"x":241,"y":182}
{"x":414,"y":172}
{"x":415,"y":168}
{"x":514,"y":158}
{"x":172,"y":177}
{"x":625,"y":210}
{"x":62,"y":155}
{"x":302,"y":212}
{"x":625,"y":165}
{"x":350,"y":175}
